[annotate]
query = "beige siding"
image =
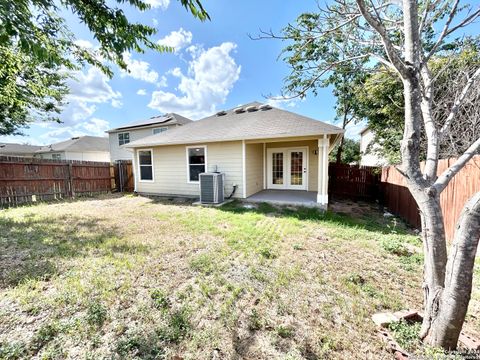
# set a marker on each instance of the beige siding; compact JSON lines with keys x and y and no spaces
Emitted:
{"x":120,"y":153}
{"x":170,"y":169}
{"x":312,"y":159}
{"x":101,"y":156}
{"x":254,"y":168}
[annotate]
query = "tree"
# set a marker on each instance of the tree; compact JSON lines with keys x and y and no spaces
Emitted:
{"x":306,"y":56}
{"x":350,"y":153}
{"x":404,"y":36}
{"x":380,"y":101}
{"x":33,"y":35}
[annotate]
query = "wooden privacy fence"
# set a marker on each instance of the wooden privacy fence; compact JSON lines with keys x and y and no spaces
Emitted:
{"x":24,"y":180}
{"x":398,"y":200}
{"x":123,"y":172}
{"x":353,"y":181}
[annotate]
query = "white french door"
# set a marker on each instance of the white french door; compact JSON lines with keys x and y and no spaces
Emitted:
{"x":287,"y":168}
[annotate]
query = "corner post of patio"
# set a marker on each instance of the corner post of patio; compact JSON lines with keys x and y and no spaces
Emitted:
{"x":322,"y":194}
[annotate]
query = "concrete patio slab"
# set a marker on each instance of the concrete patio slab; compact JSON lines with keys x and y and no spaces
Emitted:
{"x":286,"y":197}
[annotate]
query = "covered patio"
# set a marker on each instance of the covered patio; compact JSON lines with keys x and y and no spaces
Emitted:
{"x":286,"y":197}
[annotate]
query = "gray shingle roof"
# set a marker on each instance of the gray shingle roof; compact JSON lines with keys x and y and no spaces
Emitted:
{"x":82,"y":144}
{"x":247,"y":125}
{"x":11,"y":148}
{"x":167,"y":119}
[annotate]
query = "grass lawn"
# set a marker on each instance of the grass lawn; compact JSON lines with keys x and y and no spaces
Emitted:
{"x":127,"y":277}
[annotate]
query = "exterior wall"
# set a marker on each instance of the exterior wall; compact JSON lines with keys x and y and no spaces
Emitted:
{"x":101,"y":156}
{"x":49,"y":155}
{"x":312,"y":158}
{"x":119,"y":153}
{"x":170,"y":169}
{"x":254,"y":168}
{"x":369,"y":159}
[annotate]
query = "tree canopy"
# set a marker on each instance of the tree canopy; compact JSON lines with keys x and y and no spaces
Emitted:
{"x":380,"y":101}
{"x":34,"y":35}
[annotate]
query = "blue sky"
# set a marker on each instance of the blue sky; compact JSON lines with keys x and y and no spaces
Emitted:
{"x":216,"y":66}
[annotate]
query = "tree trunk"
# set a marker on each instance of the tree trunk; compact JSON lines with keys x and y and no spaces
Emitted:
{"x":340,"y":150}
{"x":451,"y":304}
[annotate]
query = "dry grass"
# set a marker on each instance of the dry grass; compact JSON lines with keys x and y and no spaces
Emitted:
{"x":128,"y":277}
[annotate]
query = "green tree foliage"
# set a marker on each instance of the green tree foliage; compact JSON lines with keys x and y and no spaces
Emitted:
{"x":39,"y":51}
{"x":350,"y":152}
{"x":310,"y":57}
{"x":380,"y":101}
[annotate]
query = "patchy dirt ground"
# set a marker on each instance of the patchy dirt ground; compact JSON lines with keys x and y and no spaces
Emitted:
{"x":129,"y":277}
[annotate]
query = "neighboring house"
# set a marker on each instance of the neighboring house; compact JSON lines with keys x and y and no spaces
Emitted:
{"x":84,"y":148}
{"x":256,"y":146}
{"x":140,"y":129}
{"x":367,"y":155}
{"x":10,"y":149}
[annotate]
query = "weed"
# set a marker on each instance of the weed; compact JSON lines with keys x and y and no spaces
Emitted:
{"x":12,"y":351}
{"x":267,"y":253}
{"x":45,"y":334}
{"x":96,"y":314}
{"x":394,"y":246}
{"x":160,"y":299}
{"x":254,"y":321}
{"x":177,"y":327}
{"x":406,"y":334}
{"x":285,"y":331}
{"x":203,"y":263}
{"x":140,"y":346}
{"x":298,"y":247}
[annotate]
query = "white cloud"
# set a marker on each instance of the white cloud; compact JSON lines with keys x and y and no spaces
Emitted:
{"x":91,"y":87}
{"x":177,"y":39}
{"x":139,"y":69}
{"x":211,"y":76}
{"x":94,"y":126}
{"x":84,"y":44}
{"x":142,"y":92}
{"x":162,"y":82}
{"x":162,"y":4}
{"x":281,"y":103}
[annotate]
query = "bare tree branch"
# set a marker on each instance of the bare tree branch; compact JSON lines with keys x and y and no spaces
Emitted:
{"x":458,"y":102}
{"x":448,"y":174}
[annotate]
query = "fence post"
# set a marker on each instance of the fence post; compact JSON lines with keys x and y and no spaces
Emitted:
{"x":70,"y":180}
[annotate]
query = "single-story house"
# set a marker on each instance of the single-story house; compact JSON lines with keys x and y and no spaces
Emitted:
{"x":140,"y":129}
{"x":84,"y":148}
{"x":21,"y":150}
{"x":266,"y":154}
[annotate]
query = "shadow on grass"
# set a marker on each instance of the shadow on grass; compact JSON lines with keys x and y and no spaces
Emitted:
{"x":32,"y":246}
{"x":373,"y":221}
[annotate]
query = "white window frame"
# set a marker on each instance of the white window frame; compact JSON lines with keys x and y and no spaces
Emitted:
{"x":123,"y":133}
{"x":160,"y":127}
{"x":188,"y":161}
{"x":139,"y":166}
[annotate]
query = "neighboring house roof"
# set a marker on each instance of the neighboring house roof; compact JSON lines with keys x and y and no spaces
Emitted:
{"x":10,"y":148}
{"x":254,"y":121}
{"x":161,"y":120}
{"x":78,"y":144}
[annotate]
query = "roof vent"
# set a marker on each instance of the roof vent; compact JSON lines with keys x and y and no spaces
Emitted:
{"x":76,"y":138}
{"x":221,"y":113}
{"x":251,"y":108}
{"x":265,"y":107}
{"x":239,"y":110}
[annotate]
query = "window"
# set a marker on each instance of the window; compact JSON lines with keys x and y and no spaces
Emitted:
{"x":123,"y":138}
{"x":196,"y":162}
{"x":145,"y":165}
{"x":159,"y":130}
{"x":56,"y":156}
